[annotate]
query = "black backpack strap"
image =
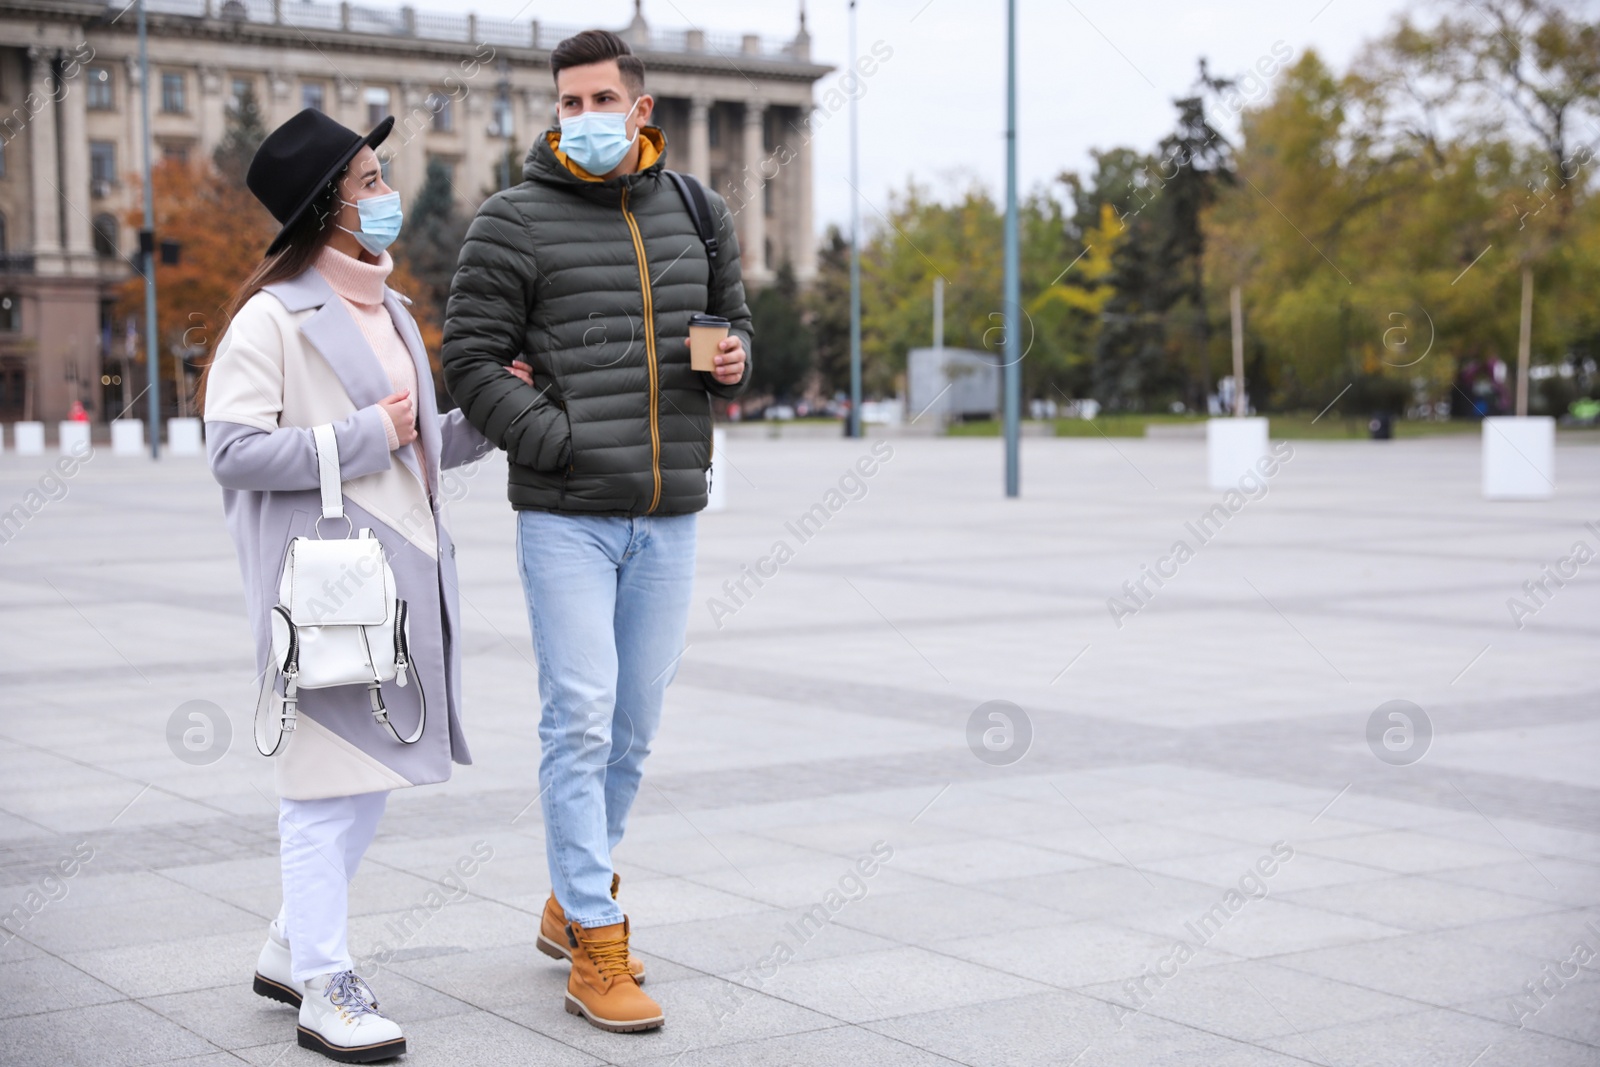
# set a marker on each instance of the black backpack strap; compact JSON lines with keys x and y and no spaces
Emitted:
{"x":699,"y":207}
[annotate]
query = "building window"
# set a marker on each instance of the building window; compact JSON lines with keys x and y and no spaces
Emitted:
{"x":383,"y":168}
{"x":172,"y":92}
{"x":102,"y":166}
{"x":444,"y":116}
{"x":766,"y":198}
{"x":105,"y":235}
{"x":713,"y":127}
{"x":311,"y":96}
{"x":10,"y":313}
{"x":377,"y":106}
{"x":175,"y":151}
{"x":239,"y":89}
{"x":99,"y":80}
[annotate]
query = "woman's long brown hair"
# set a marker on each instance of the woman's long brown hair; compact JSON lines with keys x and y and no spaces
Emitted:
{"x":306,"y":238}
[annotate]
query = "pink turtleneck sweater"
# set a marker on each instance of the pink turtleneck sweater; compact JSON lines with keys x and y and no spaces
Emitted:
{"x":360,"y":286}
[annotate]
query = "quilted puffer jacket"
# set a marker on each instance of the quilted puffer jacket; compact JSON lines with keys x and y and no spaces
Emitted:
{"x":592,"y":283}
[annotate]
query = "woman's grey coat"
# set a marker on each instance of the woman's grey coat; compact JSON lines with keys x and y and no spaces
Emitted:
{"x":294,"y":358}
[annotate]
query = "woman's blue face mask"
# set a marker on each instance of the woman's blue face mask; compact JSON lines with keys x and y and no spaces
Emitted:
{"x":380,"y":222}
{"x":597,"y":140}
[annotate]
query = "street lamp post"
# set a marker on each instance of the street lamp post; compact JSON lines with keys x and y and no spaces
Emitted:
{"x":855,"y":245}
{"x":1013,"y":287}
{"x":147,"y":248}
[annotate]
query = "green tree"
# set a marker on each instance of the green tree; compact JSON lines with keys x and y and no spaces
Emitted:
{"x":828,"y":310}
{"x":788,"y":351}
{"x":242,"y":134}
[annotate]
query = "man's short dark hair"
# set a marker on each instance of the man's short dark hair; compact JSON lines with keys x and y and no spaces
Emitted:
{"x":599,"y":46}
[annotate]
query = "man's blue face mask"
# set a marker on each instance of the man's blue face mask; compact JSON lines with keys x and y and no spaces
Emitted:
{"x":597,"y":140}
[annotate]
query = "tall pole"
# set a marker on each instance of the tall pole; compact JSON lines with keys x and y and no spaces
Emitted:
{"x":1013,"y":283}
{"x":503,"y":121}
{"x":1238,"y":352}
{"x":855,"y":244}
{"x":1525,"y":340}
{"x":147,"y":248}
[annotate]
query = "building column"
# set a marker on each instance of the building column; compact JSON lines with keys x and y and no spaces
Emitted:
{"x":753,"y":236}
{"x":77,"y":201}
{"x":803,"y":240}
{"x":700,"y":138}
{"x":44,"y":173}
{"x":408,"y":140}
{"x":210,"y":110}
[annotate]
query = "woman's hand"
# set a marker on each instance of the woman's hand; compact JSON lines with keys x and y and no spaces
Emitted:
{"x":521,"y":370}
{"x":402,"y":412}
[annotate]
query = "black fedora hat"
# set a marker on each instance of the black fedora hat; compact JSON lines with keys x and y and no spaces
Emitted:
{"x":298,"y":160}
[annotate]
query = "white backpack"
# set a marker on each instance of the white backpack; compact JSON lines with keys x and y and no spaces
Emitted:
{"x":337,"y":620}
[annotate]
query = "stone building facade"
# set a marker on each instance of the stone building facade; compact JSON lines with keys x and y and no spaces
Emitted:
{"x":464,"y":90}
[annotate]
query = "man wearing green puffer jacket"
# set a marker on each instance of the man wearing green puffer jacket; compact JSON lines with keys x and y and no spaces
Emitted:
{"x":580,"y":281}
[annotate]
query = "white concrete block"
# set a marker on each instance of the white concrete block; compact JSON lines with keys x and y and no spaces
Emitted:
{"x":29,"y":438}
{"x":718,"y":499}
{"x":74,"y":438}
{"x":183,"y":437}
{"x":127,"y":437}
{"x":1232,"y":447}
{"x":1519,"y":457}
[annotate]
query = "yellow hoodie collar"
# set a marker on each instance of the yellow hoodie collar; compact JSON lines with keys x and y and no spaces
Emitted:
{"x":652,"y":142}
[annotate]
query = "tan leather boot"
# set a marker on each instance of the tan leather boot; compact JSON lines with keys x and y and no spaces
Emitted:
{"x":552,"y":939}
{"x":600,"y":988}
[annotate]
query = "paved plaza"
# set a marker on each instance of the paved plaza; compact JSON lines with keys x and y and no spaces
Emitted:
{"x":1197,"y":832}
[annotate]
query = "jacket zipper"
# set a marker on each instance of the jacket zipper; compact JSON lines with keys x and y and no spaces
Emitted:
{"x":649,"y":348}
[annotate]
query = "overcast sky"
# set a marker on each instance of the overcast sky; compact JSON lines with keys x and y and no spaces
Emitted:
{"x":1091,"y":73}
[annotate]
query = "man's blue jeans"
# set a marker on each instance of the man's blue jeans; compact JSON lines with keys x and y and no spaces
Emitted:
{"x":608,"y":602}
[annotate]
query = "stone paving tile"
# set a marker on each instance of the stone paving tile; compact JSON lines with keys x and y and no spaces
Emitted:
{"x":704,"y":1012}
{"x":978,"y":862}
{"x":1127,"y":842}
{"x":1066,"y":955}
{"x":1249,"y":1000}
{"x":935,"y":914}
{"x":1441,"y":968}
{"x":185,"y":913}
{"x":1532,"y":838}
{"x":45,"y":983}
{"x":1417,"y":902}
{"x":177,"y":966}
{"x":801,"y":885}
{"x":878,"y":985}
{"x":1410,"y":851}
{"x":1551,"y":879}
{"x":1068,"y":1028}
{"x":1550,"y":936}
{"x":1301,"y":870}
{"x":1264,"y":927}
{"x":735,"y":943}
{"x":1570,"y":1011}
{"x":1107,"y":892}
{"x":836,"y":1044}
{"x":120,"y":1034}
{"x":1430,"y":1037}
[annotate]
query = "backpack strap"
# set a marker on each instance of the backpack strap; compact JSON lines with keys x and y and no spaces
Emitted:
{"x":699,"y":207}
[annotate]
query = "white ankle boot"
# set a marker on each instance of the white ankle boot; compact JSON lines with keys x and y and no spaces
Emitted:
{"x":273,"y":979}
{"x":339,"y":1018}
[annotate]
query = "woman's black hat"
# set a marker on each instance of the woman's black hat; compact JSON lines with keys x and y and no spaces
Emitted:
{"x":298,"y":160}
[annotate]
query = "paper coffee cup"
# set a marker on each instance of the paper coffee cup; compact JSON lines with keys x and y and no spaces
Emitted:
{"x":705,"y":334}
